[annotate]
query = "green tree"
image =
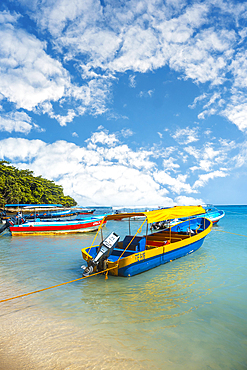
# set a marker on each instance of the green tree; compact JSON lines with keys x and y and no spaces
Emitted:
{"x":21,"y":186}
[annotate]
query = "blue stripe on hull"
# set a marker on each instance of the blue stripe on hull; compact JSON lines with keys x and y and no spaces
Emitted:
{"x":147,"y":264}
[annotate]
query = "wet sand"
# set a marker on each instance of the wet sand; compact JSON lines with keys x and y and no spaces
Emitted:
{"x":34,"y":339}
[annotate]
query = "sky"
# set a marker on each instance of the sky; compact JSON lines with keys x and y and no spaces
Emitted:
{"x":136,"y":103}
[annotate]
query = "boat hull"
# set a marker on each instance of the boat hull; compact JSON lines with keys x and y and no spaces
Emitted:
{"x":147,"y":264}
{"x":216,"y":217}
{"x":46,"y":227}
{"x":213,"y":215}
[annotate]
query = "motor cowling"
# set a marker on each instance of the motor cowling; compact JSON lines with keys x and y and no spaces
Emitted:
{"x":4,"y":227}
{"x":17,"y":220}
{"x":104,"y":251}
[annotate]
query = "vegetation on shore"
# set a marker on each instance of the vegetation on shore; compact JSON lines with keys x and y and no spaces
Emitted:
{"x":21,"y":186}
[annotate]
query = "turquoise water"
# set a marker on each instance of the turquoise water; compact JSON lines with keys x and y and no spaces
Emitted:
{"x":187,"y":314}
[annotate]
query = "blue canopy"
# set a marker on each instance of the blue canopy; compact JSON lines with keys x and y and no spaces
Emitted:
{"x":33,"y":205}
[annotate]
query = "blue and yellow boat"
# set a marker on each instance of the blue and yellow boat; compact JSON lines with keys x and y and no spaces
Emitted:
{"x":136,"y":254}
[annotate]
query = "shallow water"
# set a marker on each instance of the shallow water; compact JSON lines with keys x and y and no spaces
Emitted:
{"x":187,"y":314}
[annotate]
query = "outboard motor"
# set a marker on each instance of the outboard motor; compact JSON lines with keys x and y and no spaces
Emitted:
{"x":104,"y":251}
{"x":3,"y":215}
{"x":18,"y":220}
{"x":9,"y":222}
{"x":4,"y":227}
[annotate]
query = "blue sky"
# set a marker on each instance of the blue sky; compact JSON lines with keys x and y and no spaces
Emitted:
{"x":127,"y":103}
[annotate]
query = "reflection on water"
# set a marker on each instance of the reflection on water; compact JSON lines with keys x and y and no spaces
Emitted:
{"x":189,"y":313}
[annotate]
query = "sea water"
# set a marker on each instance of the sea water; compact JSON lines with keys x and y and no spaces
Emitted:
{"x":187,"y":314}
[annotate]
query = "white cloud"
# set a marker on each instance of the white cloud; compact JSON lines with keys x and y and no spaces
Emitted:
{"x":92,"y":96}
{"x":139,"y":51}
{"x":132,"y":81}
{"x":176,"y":185}
{"x":7,"y":17}
{"x":146,"y":94}
{"x":237,"y":114}
{"x":20,"y":149}
{"x":240,"y":159}
{"x":207,"y":132}
{"x":119,"y":187}
{"x":208,"y":157}
{"x":198,"y":99}
{"x":102,"y":137}
{"x":205,"y":57}
{"x":207,"y":112}
{"x":169,"y":164}
{"x":124,"y":155}
{"x":203,"y":179}
{"x":28,"y":76}
{"x":214,"y":97}
{"x":126,"y":132}
{"x":64,"y":119}
{"x":188,"y":201}
{"x":55,"y":15}
{"x":186,"y":136}
{"x":238,"y":68}
{"x":16,"y":121}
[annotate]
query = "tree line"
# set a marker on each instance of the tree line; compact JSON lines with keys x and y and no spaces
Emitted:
{"x":21,"y":186}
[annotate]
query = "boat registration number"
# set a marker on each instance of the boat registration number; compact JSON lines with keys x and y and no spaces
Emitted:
{"x":140,"y":256}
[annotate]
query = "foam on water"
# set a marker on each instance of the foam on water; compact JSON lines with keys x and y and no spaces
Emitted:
{"x":187,"y":314}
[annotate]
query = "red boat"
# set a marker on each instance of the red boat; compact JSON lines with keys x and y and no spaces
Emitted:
{"x":56,"y":227}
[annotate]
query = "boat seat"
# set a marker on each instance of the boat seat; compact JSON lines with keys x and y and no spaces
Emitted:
{"x":116,"y":253}
{"x":138,"y":244}
{"x":157,"y":243}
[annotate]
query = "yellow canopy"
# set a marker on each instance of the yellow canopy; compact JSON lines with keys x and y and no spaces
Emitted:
{"x":161,"y":214}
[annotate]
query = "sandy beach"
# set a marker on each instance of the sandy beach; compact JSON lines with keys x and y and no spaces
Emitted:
{"x":34,"y":339}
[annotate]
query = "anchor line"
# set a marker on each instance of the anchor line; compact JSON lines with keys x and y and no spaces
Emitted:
{"x":55,"y":286}
{"x":222,"y":231}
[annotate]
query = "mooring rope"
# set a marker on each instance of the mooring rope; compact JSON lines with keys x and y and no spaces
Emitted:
{"x":237,"y":213}
{"x":72,"y":281}
{"x":222,"y":231}
{"x":99,"y":228}
{"x":55,"y":286}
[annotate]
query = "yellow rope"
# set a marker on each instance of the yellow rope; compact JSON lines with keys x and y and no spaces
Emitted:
{"x":138,"y":231}
{"x":55,"y":286}
{"x":99,"y":228}
{"x":222,"y":231}
{"x":84,"y":277}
